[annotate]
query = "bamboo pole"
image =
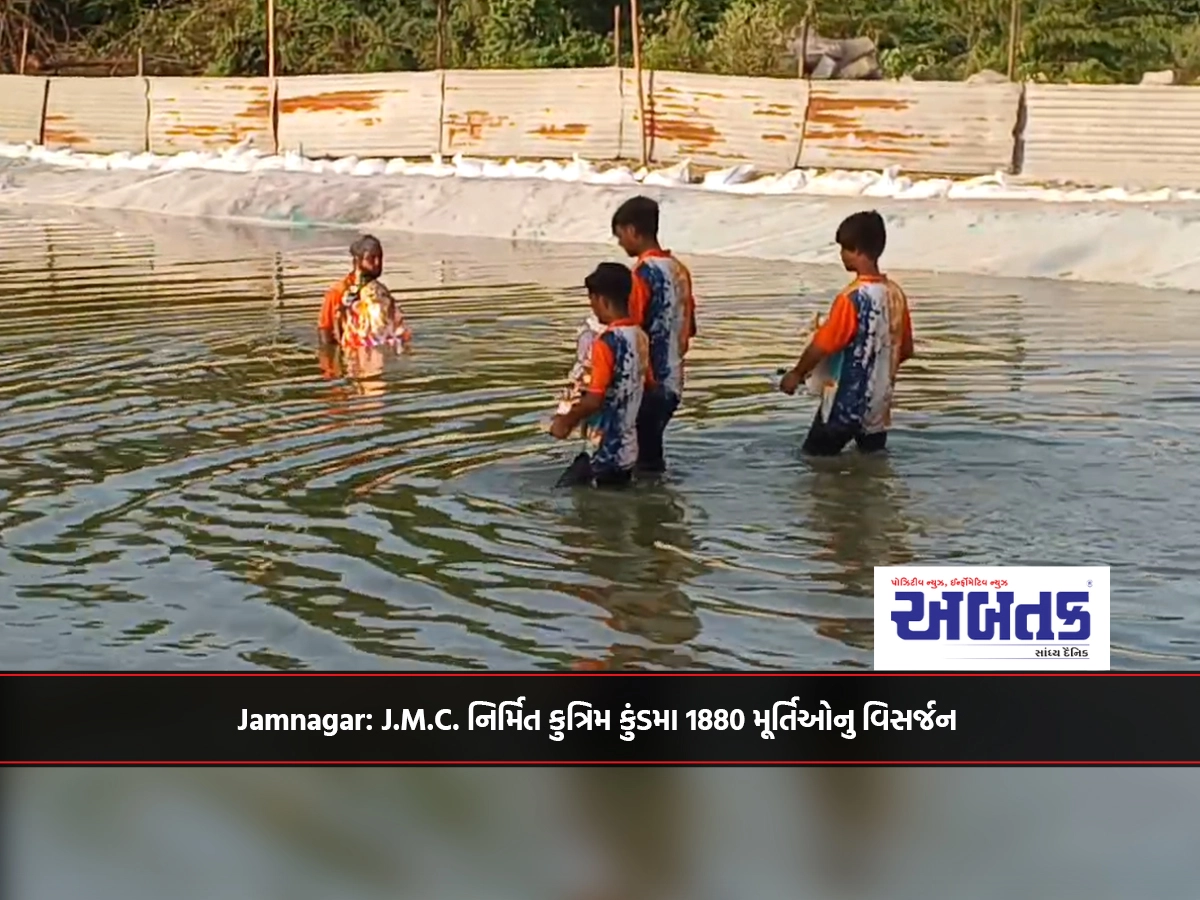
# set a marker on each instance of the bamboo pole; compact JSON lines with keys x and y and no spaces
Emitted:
{"x":271,"y":40}
{"x":809,"y":14}
{"x":616,"y":36}
{"x":440,"y":61}
{"x":24,"y":48}
{"x":1014,"y":26}
{"x":635,"y":30}
{"x":272,"y":87}
{"x":804,"y":48}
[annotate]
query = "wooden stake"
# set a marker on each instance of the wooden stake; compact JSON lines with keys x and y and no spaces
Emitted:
{"x":271,"y":39}
{"x":617,"y":36}
{"x":440,"y":61}
{"x":141,"y":63}
{"x":1014,"y":26}
{"x":635,"y":31}
{"x":24,"y":48}
{"x":809,"y":15}
{"x":272,"y":87}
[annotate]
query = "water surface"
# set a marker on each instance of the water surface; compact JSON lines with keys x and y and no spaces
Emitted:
{"x":186,"y":482}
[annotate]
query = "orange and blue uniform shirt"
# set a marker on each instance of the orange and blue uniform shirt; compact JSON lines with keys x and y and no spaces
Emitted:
{"x":662,"y":303}
{"x":863,"y":336}
{"x":620,"y":367}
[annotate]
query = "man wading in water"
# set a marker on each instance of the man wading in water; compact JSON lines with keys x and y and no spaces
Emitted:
{"x":359,"y":311}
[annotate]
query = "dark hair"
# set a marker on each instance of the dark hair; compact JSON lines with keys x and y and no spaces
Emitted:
{"x":613,"y":282}
{"x":864,"y":232}
{"x":367,"y":244}
{"x":641,"y":213}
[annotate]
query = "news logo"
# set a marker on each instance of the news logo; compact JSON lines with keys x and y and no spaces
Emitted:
{"x":995,"y":618}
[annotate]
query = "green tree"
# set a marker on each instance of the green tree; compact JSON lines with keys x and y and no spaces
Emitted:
{"x":1092,"y":40}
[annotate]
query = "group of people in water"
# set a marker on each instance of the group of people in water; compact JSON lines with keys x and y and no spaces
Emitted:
{"x":628,"y":378}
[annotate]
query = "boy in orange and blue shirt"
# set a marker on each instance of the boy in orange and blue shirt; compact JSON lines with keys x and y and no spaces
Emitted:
{"x":619,"y":362}
{"x":662,"y":304}
{"x":864,"y":340}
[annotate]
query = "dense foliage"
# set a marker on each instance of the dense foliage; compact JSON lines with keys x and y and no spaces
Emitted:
{"x":1081,"y":40}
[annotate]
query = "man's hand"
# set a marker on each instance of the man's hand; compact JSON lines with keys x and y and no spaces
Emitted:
{"x":561,"y":427}
{"x":790,"y":381}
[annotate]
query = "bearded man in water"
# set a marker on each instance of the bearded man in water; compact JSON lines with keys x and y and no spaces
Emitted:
{"x":359,"y":311}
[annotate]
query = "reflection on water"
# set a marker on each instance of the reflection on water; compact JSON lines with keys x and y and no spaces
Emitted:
{"x":857,"y":505}
{"x":600,"y":834}
{"x":637,"y":553}
{"x":188,"y":481}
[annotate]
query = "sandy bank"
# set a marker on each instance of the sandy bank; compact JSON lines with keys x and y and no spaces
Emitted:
{"x":1146,"y":244}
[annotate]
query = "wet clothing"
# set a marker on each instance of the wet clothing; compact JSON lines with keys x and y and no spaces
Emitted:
{"x":620,"y":365}
{"x":663,"y":304}
{"x":829,"y":440}
{"x":363,"y":314}
{"x":863,"y":338}
{"x":583,"y":473}
{"x":658,"y":408}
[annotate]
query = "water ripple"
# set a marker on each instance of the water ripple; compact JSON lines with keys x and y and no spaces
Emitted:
{"x":186,"y":482}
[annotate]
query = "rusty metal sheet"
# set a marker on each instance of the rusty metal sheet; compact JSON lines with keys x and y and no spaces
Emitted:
{"x":726,"y":120}
{"x":97,"y":115}
{"x":929,"y":127}
{"x":533,"y":113}
{"x":629,"y":133}
{"x":22,"y":104}
{"x":1144,"y":136}
{"x":209,"y":114}
{"x":388,"y":114}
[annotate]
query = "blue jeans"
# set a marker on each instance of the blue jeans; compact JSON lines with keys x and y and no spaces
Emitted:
{"x":825,"y":439}
{"x":583,"y":471}
{"x":658,"y":407}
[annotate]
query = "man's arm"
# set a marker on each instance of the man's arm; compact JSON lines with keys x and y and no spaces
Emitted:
{"x":327,"y":320}
{"x":809,"y":360}
{"x":691,"y":303}
{"x":593,"y":400}
{"x":834,"y":335}
{"x":584,"y":408}
{"x":639,"y":299}
{"x":906,"y":341}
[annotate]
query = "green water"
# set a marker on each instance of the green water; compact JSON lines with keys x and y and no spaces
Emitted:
{"x":183,"y":483}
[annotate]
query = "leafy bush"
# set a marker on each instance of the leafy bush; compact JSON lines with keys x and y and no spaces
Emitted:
{"x":1092,"y":40}
{"x":750,"y":37}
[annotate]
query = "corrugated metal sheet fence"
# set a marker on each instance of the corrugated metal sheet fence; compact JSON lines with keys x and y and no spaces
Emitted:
{"x":1145,"y":135}
{"x":921,"y":126}
{"x":723,"y":121}
{"x":97,"y":115}
{"x":1130,"y":135}
{"x":22,"y":106}
{"x":539,"y":113}
{"x":378,"y":115}
{"x":209,"y":114}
